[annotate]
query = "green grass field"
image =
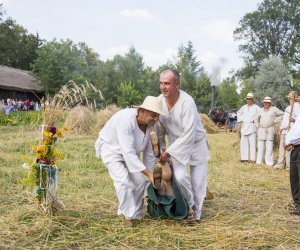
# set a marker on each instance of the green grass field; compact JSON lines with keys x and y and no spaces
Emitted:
{"x":248,"y":212}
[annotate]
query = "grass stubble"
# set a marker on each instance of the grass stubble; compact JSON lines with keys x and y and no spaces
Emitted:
{"x":248,"y":212}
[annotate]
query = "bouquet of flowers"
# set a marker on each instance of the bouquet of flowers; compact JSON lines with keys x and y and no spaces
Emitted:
{"x":43,"y":171}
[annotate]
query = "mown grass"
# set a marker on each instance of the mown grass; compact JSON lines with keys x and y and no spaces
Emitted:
{"x":248,"y":212}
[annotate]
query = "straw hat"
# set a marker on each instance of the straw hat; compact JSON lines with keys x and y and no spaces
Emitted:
{"x":153,"y":104}
{"x":267,"y":99}
{"x":292,"y":94}
{"x":249,"y":96}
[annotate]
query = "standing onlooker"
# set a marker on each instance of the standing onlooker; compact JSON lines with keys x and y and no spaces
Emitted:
{"x":26,"y":105}
{"x":246,"y":115}
{"x":187,"y":141}
{"x":286,"y":123}
{"x":265,"y":122}
{"x":292,"y":142}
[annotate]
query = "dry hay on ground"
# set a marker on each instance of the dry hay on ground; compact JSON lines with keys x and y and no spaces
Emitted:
{"x":248,"y":210}
{"x":80,"y":120}
{"x":208,"y":124}
{"x":103,"y":116}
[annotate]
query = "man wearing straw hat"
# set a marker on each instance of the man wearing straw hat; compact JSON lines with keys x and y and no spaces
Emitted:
{"x":120,"y":142}
{"x":265,"y":122}
{"x":187,"y":141}
{"x":246,"y":116}
{"x":287,"y":122}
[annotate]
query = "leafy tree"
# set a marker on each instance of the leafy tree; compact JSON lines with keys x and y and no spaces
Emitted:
{"x":128,"y":68}
{"x":128,"y":95}
{"x":228,"y":95}
{"x":246,"y":88}
{"x":59,"y":62}
{"x":188,"y":66}
{"x":201,"y":93}
{"x":272,"y":30}
{"x":18,"y":49}
{"x":2,"y":12}
{"x":272,"y":80}
{"x":150,"y":81}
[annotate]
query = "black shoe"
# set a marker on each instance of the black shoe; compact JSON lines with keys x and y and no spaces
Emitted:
{"x":293,"y":206}
{"x":296,"y":212}
{"x":243,"y":161}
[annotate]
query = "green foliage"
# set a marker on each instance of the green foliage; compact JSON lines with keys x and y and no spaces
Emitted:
{"x":194,"y":80}
{"x":246,"y":88}
{"x":59,"y":62}
{"x":296,"y":85}
{"x":18,"y":49}
{"x":272,"y":80}
{"x":128,"y":95}
{"x":228,"y":95}
{"x":272,"y":30}
{"x":2,"y":12}
{"x":201,"y":92}
{"x":188,"y":66}
{"x":19,"y":118}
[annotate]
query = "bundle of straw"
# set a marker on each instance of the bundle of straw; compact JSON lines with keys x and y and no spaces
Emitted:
{"x":69,"y":96}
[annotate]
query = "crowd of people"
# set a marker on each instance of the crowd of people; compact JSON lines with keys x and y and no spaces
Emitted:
{"x":258,"y":125}
{"x":258,"y":129}
{"x":11,"y":105}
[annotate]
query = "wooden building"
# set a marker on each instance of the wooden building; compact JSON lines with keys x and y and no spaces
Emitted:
{"x":18,"y":84}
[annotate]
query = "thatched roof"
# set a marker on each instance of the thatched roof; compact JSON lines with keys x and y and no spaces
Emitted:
{"x":16,"y":79}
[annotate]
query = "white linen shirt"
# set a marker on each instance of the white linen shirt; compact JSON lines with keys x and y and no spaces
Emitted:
{"x":184,"y":129}
{"x":246,"y":115}
{"x":293,"y":136}
{"x":265,"y":122}
{"x":121,"y":139}
{"x":286,"y":116}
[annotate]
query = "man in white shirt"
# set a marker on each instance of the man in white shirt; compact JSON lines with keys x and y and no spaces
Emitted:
{"x":265,"y":122}
{"x":120,"y":142}
{"x":246,"y":116}
{"x":292,"y":143}
{"x":286,"y":124}
{"x":187,"y":141}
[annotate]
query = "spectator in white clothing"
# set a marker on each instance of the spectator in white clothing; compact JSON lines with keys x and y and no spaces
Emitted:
{"x":286,"y":123}
{"x":265,"y":121}
{"x":246,"y":115}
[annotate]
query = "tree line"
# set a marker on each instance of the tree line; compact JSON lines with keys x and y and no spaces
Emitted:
{"x":270,"y":46}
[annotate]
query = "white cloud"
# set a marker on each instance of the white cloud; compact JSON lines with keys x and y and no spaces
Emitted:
{"x":208,"y":57}
{"x":151,"y":58}
{"x":140,"y":13}
{"x":220,"y":29}
{"x":156,"y":59}
{"x":117,"y":50}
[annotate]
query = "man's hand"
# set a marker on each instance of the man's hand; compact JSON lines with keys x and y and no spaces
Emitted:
{"x":149,"y":175}
{"x":278,"y":133}
{"x":289,"y":147}
{"x":292,"y":119}
{"x":163,"y":157}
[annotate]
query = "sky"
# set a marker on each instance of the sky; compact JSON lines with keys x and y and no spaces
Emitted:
{"x":154,"y":28}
